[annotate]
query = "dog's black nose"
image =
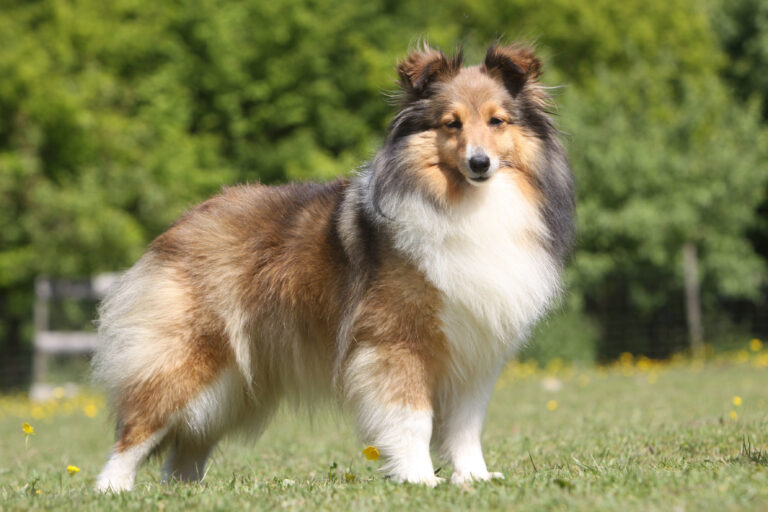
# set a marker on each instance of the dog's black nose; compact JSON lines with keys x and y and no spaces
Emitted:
{"x":479,"y":163}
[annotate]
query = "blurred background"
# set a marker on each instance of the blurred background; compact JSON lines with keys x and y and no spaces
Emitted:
{"x":117,"y":116}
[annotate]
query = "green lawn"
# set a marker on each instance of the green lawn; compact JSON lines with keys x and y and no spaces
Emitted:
{"x":634,"y":436}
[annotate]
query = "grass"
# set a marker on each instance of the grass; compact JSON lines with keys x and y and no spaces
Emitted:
{"x":636,"y":435}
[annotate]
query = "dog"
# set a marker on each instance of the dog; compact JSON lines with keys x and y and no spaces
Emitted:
{"x":400,"y":291}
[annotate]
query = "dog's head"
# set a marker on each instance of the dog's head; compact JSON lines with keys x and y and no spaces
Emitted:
{"x":483,"y":119}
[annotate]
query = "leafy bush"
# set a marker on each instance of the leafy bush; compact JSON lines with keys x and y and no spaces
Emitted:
{"x":116,"y":116}
{"x":567,"y":334}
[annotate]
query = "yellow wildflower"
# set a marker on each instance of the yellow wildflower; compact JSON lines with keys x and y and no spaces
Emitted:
{"x":755,"y":345}
{"x":737,"y":401}
{"x":555,"y":365}
{"x":734,"y":416}
{"x":29,"y":430}
{"x":72,"y":470}
{"x":91,"y":410}
{"x":552,"y":405}
{"x":371,"y":453}
{"x":38,"y":491}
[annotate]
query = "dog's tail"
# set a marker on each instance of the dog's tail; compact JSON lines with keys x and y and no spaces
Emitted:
{"x":135,"y":325}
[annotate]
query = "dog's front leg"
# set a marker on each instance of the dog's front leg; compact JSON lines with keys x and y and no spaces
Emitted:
{"x":402,"y":435}
{"x":460,"y":425}
{"x":389,"y":387}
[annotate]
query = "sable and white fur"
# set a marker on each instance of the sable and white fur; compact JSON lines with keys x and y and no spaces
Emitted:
{"x":401,"y":291}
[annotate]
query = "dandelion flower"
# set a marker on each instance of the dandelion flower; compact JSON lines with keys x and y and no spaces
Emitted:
{"x":552,"y":405}
{"x":38,"y":491}
{"x":72,"y":470}
{"x":91,"y":410}
{"x":29,"y":430}
{"x":371,"y":453}
{"x":734,"y":415}
{"x":755,"y":345}
{"x":737,"y":401}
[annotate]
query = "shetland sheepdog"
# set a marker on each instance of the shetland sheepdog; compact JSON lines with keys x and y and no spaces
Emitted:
{"x":400,"y":291}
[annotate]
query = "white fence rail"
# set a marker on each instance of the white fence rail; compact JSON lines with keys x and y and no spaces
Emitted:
{"x":49,"y":342}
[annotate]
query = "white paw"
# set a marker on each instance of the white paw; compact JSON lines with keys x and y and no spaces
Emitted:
{"x":459,"y":478}
{"x":114,"y":484}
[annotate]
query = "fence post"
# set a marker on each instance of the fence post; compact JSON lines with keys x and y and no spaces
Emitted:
{"x":693,"y":297}
{"x":43,"y":294}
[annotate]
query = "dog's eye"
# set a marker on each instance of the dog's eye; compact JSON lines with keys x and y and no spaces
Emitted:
{"x":455,"y":124}
{"x":495,"y":121}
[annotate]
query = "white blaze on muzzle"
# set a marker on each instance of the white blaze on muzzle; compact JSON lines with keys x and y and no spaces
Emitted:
{"x":479,"y":165}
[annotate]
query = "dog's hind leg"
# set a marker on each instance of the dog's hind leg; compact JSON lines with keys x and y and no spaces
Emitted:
{"x":186,"y":460}
{"x":172,"y":405}
{"x":133,"y":447}
{"x":219,"y":407}
{"x":166,"y":361}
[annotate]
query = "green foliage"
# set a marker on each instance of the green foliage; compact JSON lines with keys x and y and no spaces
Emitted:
{"x":655,"y":174}
{"x":93,"y":160}
{"x":582,"y":38}
{"x":567,"y":334}
{"x":743,"y":30}
{"x":116,"y":116}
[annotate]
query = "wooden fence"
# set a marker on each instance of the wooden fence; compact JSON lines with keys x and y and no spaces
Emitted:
{"x":49,"y":342}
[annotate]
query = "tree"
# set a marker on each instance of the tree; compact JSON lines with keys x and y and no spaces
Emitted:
{"x":116,"y":116}
{"x":743,"y":30}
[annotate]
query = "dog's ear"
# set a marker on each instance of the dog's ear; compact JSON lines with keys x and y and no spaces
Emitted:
{"x":424,"y":68}
{"x":515,"y":65}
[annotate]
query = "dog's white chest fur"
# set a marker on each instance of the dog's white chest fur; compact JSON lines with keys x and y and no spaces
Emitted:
{"x":487,"y":258}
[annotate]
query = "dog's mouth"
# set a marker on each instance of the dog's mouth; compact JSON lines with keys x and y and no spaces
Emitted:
{"x":479,"y":180}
